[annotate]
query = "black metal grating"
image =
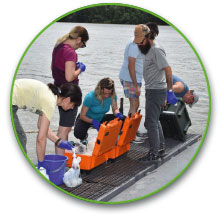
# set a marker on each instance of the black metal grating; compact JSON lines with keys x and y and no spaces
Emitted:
{"x":91,"y":191}
{"x":104,"y":179}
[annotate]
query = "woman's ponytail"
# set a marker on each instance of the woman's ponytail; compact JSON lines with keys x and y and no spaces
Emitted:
{"x":56,"y":90}
{"x":68,"y":90}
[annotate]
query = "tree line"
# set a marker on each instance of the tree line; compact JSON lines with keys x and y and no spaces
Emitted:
{"x":112,"y":14}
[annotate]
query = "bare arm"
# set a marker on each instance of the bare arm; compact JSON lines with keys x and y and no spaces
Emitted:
{"x":51,"y":135}
{"x":169,"y":78}
{"x":83,"y":115}
{"x":178,"y":87}
{"x":43,"y":126}
{"x":70,"y":72}
{"x":114,"y":107}
{"x":131,"y":67}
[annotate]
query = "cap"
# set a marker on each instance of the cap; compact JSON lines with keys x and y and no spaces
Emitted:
{"x":140,"y":32}
{"x":195,"y":100}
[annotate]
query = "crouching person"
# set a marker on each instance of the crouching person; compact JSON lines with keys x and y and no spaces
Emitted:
{"x":95,"y":106}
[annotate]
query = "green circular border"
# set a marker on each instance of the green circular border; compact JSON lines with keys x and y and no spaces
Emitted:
{"x":197,"y":55}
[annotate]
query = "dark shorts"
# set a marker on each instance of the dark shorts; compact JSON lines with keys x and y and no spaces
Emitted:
{"x":67,"y":118}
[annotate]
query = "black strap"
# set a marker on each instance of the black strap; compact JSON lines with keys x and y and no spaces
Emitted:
{"x":56,"y":142}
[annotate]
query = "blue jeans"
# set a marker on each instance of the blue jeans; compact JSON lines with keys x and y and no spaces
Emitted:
{"x":155,"y":98}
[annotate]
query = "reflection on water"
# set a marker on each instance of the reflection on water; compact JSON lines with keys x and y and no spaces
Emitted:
{"x":103,"y":57}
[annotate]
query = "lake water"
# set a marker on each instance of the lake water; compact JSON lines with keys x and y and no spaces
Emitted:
{"x":103,"y":57}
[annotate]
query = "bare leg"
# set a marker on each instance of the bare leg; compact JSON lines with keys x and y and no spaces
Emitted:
{"x":134,"y":105}
{"x":63,"y":133}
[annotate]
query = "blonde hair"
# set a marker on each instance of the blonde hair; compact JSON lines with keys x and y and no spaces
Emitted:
{"x":105,"y":83}
{"x":75,"y":32}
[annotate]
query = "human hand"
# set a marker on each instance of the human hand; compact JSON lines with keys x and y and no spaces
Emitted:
{"x":81,"y":66}
{"x":171,"y":98}
{"x":65,"y":145}
{"x":137,"y":91}
{"x":96,"y":124}
{"x":164,"y":105}
{"x":119,"y":115}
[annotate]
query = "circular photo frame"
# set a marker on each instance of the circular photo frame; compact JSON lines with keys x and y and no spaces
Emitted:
{"x":126,"y":88}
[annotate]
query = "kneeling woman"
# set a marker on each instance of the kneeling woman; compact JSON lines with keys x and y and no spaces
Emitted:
{"x":42,"y":99}
{"x":95,"y":106}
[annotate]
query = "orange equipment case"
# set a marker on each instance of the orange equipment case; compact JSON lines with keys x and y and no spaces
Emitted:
{"x":106,"y":145}
{"x":105,"y":142}
{"x":127,"y":134}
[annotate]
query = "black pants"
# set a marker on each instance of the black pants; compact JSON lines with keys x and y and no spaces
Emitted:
{"x":19,"y":130}
{"x":155,"y":98}
{"x":81,"y":127}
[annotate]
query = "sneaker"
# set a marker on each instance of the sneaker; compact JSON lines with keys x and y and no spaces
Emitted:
{"x":145,"y":158}
{"x":150,"y":157}
{"x":142,"y":135}
{"x":162,"y":153}
{"x":84,"y":142}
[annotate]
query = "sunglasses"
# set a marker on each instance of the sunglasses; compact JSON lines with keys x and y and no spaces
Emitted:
{"x":83,"y":44}
{"x":141,"y":41}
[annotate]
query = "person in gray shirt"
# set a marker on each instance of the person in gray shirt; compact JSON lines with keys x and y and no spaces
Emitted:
{"x":157,"y":75}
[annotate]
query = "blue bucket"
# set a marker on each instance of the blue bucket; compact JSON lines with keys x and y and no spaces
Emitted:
{"x":55,"y":168}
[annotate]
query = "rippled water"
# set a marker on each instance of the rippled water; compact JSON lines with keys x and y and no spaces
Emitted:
{"x":103,"y":57}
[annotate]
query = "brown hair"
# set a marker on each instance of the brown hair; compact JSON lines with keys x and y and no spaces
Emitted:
{"x":74,"y":33}
{"x":154,"y":30}
{"x":105,"y":83}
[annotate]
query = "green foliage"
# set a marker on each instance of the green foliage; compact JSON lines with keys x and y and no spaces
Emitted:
{"x":111,"y":14}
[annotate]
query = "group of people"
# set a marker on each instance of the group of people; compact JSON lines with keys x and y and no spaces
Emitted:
{"x":65,"y":93}
{"x":143,"y":58}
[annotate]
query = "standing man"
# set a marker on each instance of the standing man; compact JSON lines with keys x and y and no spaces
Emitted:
{"x":158,"y":79}
{"x":182,"y":90}
{"x":131,"y":72}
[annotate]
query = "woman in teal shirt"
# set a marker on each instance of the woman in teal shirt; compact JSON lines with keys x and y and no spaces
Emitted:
{"x":95,"y":106}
